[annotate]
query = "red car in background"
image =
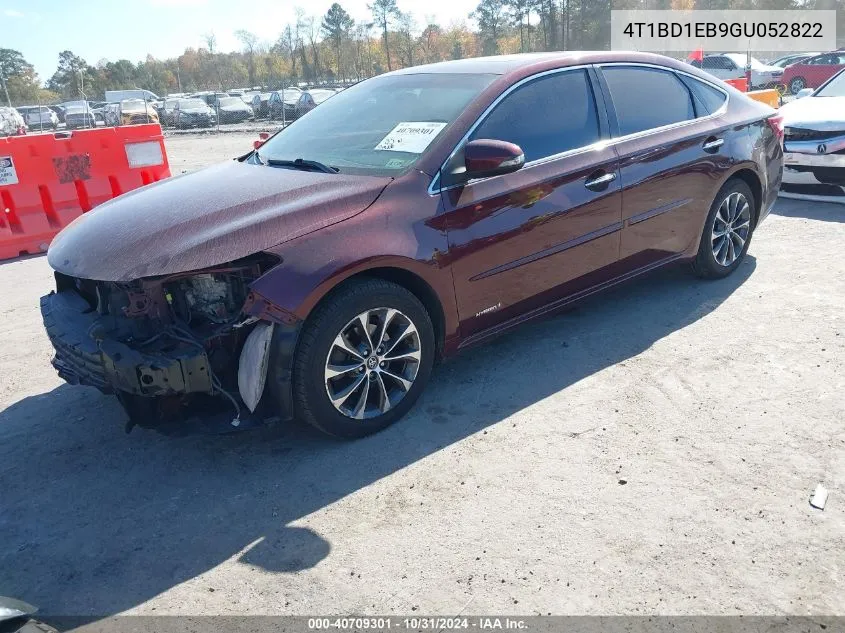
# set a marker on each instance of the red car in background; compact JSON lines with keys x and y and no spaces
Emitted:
{"x":813,"y":72}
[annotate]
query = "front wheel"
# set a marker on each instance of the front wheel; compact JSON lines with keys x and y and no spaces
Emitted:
{"x":363,"y":359}
{"x":727,"y":231}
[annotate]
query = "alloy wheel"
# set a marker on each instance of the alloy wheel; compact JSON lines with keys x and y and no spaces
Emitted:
{"x":372,"y":363}
{"x":797,"y":85}
{"x":731,"y":226}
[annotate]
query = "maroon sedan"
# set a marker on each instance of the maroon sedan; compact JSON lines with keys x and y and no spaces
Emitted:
{"x":321,"y":276}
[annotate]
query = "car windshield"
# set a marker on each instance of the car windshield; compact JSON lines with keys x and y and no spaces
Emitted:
{"x":834,"y":88}
{"x":380,"y":126}
{"x":187,"y":104}
{"x":230,"y":101}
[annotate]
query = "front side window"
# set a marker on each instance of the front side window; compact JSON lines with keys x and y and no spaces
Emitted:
{"x":553,"y":114}
{"x":635,"y":91}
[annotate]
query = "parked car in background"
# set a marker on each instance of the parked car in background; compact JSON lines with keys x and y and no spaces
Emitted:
{"x":193,"y":113}
{"x":39,"y":117}
{"x":80,"y":115}
{"x":116,"y":96}
{"x":792,"y":58}
{"x":310,"y":99}
{"x":137,"y":111}
{"x":282,"y":104}
{"x":210,"y":98}
{"x":814,"y":141}
{"x":409,"y":217}
{"x":261,"y":105}
{"x":233,"y":110}
{"x":98,"y":108}
{"x":12,"y":122}
{"x":59,"y":111}
{"x":813,"y":72}
{"x":732,"y":66}
{"x":166,"y":111}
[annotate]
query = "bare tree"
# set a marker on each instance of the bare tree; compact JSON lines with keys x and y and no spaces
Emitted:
{"x":210,"y":40}
{"x":406,"y":25}
{"x":250,"y":41}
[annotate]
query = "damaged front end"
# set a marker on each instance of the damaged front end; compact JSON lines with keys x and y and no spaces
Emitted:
{"x":184,"y":352}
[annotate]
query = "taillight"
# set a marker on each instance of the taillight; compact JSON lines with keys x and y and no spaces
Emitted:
{"x":776,"y":123}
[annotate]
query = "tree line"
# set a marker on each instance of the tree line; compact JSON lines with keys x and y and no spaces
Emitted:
{"x":336,"y":48}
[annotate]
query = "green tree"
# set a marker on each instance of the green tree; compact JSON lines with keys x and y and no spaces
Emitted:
{"x":491,"y":17}
{"x":336,"y":25}
{"x":384,"y":12}
{"x":72,"y":76}
{"x":12,"y":64}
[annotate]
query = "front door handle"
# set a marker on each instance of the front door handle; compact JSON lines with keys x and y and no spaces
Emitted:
{"x":599,"y":183}
{"x":713,"y":144}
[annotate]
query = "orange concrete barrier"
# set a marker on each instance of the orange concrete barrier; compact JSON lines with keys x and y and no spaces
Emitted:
{"x":769,"y":97}
{"x":48,"y":180}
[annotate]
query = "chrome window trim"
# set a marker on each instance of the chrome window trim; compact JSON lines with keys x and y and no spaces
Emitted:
{"x":670,"y":126}
{"x":436,"y":190}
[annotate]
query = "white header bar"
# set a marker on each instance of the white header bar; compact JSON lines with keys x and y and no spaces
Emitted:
{"x":723,"y":31}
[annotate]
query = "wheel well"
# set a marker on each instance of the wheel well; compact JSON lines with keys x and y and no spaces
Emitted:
{"x":416,"y":285}
{"x":753,"y":181}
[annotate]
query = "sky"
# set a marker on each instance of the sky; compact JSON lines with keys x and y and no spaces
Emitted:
{"x":131,"y":29}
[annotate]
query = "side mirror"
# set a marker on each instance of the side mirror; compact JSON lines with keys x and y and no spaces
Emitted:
{"x":487,"y":157}
{"x":804,"y":92}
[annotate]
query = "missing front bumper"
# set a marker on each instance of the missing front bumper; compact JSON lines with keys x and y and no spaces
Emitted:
{"x":84,"y":358}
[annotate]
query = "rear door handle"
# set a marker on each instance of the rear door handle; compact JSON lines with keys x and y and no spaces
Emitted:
{"x":599,"y":183}
{"x":713,"y":144}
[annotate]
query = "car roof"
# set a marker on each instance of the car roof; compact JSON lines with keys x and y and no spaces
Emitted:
{"x":523,"y":63}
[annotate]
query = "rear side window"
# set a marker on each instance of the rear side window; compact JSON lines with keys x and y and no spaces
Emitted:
{"x":647,"y":98}
{"x":708,"y":98}
{"x":546,"y":116}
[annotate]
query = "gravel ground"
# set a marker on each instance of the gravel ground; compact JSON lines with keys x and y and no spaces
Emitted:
{"x":652,"y":451}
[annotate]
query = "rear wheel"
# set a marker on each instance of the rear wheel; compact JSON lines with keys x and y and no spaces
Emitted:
{"x":797,"y":85}
{"x":363,"y":359}
{"x":727,"y":231}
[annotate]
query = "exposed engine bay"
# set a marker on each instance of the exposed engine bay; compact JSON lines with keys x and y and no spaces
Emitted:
{"x":169,"y":346}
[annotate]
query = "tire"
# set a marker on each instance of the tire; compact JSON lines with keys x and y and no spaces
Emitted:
{"x":337,"y":319}
{"x":718,"y":257}
{"x":797,"y":85}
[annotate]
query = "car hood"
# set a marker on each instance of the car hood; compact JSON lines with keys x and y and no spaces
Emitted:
{"x":205,"y":219}
{"x":815,"y":113}
{"x":196,"y":110}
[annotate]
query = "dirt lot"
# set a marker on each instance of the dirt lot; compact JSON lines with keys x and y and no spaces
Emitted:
{"x":652,"y":451}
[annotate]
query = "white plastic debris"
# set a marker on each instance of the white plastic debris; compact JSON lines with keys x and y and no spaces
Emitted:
{"x":252,"y":370}
{"x":819,"y":497}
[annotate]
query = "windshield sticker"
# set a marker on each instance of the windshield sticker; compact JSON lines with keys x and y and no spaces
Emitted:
{"x":396,"y":163}
{"x":411,"y":136}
